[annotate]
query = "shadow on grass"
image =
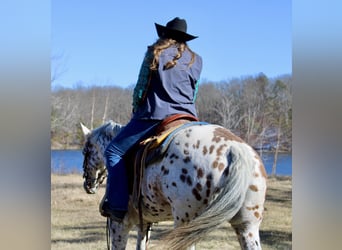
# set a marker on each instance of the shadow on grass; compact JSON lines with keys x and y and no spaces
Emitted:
{"x":158,"y":231}
{"x":67,"y":186}
{"x":276,"y":239}
{"x":87,"y":238}
{"x":97,"y":233}
{"x":284,"y":198}
{"x":88,"y":233}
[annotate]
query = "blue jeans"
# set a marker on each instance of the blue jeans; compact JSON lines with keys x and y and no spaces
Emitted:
{"x":117,"y":183}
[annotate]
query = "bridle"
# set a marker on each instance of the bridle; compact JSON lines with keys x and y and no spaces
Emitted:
{"x":91,"y":181}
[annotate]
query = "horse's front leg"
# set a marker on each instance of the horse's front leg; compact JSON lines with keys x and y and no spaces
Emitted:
{"x":143,"y":236}
{"x":118,"y":233}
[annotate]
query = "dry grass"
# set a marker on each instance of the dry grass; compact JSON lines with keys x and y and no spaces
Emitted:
{"x":76,"y":223}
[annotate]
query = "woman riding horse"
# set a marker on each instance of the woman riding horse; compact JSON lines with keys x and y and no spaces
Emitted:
{"x":167,"y":85}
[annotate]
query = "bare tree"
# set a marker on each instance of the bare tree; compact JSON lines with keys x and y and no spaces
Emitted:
{"x":227,"y":106}
{"x":64,"y":114}
{"x":254,"y":100}
{"x":281,"y":109}
{"x":92,"y":110}
{"x":249,"y":106}
{"x":104,"y":117}
{"x":206,"y":102}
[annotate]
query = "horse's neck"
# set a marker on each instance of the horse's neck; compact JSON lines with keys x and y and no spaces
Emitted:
{"x":106,"y":138}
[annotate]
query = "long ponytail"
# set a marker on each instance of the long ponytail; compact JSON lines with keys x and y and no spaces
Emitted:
{"x":162,"y":44}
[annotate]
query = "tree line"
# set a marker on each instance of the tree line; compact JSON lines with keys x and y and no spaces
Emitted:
{"x":256,"y":108}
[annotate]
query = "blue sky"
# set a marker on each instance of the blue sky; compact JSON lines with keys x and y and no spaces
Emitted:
{"x":103,"y":42}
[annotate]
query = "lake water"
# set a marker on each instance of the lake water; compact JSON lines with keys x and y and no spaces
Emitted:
{"x":70,"y":161}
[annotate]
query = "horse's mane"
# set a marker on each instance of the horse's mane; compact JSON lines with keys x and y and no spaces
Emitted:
{"x":108,"y":129}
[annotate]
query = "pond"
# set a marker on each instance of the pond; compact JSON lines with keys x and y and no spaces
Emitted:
{"x":70,"y":161}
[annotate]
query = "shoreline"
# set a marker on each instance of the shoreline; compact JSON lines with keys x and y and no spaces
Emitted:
{"x":258,"y":151}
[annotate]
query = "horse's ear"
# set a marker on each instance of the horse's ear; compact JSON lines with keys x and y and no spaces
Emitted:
{"x":109,"y":128}
{"x":85,"y":130}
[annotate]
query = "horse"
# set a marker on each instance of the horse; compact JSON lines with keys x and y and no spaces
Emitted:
{"x":207,"y":176}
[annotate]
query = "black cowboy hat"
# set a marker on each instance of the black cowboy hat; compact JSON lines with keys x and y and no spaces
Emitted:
{"x":175,"y":29}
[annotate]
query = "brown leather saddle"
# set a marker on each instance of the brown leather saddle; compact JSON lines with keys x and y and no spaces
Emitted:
{"x":147,"y":150}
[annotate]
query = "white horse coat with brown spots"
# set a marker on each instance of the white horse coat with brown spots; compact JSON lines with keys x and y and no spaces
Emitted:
{"x":207,"y":176}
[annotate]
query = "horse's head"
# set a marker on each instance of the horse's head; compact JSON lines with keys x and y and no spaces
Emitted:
{"x":94,"y":169}
{"x":96,"y":141}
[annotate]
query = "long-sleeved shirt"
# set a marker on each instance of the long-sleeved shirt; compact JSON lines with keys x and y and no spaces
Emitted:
{"x":171,"y":91}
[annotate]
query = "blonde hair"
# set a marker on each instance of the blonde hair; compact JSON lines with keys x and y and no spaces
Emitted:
{"x":162,"y":44}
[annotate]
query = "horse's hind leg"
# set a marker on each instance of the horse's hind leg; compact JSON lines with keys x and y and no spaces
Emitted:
{"x":246,"y":224}
{"x":247,"y":221}
{"x":248,"y":235}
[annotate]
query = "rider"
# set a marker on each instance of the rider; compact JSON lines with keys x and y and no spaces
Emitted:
{"x":167,"y":85}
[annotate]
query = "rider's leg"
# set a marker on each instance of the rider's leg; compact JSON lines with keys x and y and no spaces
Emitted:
{"x":115,"y":202}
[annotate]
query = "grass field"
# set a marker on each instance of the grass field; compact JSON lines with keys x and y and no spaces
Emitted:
{"x":76,"y":223}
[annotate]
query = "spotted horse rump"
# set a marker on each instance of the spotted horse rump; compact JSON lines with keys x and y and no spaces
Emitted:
{"x":207,"y":176}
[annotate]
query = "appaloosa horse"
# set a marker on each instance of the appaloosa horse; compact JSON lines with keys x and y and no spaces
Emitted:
{"x":206,"y":177}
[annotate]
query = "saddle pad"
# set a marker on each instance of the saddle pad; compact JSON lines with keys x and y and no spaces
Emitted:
{"x":157,"y":145}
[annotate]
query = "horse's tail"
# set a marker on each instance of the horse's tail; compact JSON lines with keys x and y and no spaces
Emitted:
{"x":222,"y":208}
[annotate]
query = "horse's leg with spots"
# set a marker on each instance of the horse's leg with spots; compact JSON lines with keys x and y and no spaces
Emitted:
{"x":118,"y":233}
{"x":248,"y":235}
{"x":247,"y":221}
{"x":143,"y":237}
